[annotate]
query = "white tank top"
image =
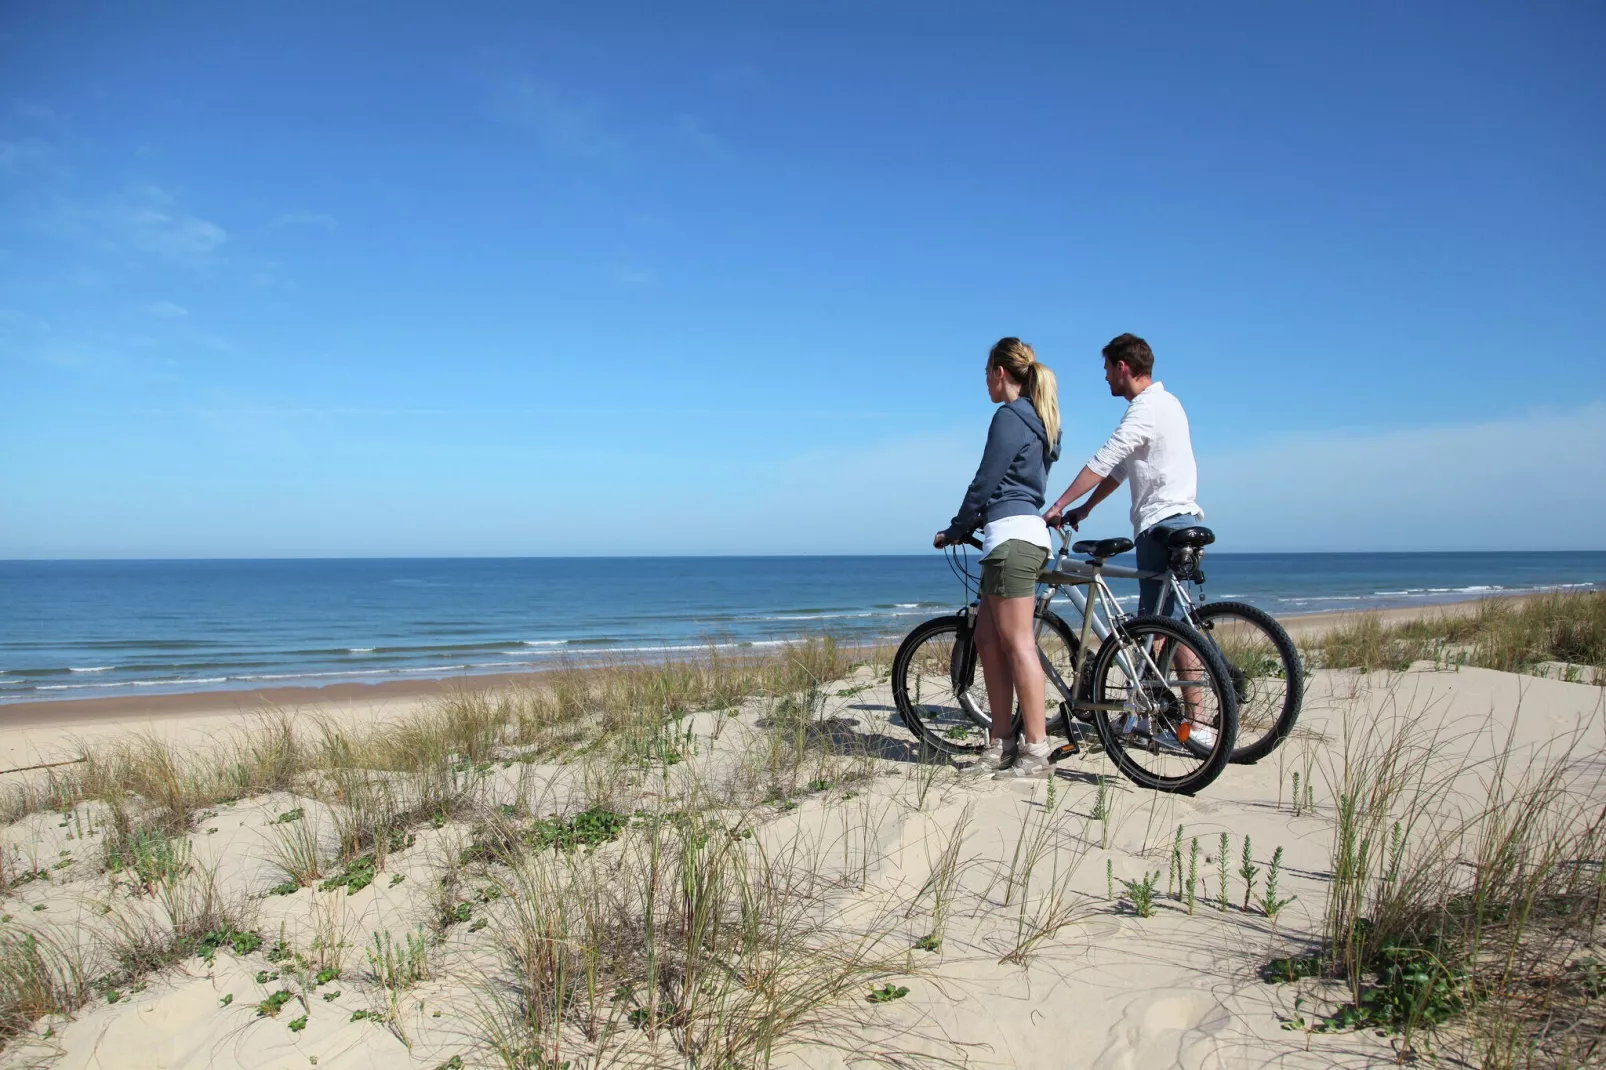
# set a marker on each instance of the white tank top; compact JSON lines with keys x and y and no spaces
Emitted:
{"x":1028,"y":527}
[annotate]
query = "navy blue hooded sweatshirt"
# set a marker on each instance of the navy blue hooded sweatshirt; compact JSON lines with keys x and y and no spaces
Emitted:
{"x":1013,"y":475}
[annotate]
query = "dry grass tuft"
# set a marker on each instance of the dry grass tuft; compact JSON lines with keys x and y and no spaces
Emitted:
{"x":667,"y":927}
{"x":685,"y":939}
{"x":1466,"y":897}
{"x":1506,"y":634}
{"x":37,"y":977}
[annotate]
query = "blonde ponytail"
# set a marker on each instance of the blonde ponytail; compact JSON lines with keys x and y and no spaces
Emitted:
{"x":1020,"y":363}
{"x":1045,"y":391}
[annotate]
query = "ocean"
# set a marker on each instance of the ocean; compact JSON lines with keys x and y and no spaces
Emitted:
{"x":80,"y":629}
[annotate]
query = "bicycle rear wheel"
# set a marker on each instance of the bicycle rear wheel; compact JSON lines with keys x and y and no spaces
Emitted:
{"x":1266,"y":673}
{"x":939,"y":687}
{"x":1173,"y":689}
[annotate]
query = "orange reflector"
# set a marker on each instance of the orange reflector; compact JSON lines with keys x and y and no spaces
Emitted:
{"x":1182,"y":731}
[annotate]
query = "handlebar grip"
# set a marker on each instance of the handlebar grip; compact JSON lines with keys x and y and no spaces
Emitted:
{"x":971,"y":540}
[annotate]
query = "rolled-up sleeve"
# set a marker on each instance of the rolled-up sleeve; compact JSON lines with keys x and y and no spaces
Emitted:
{"x":1135,"y":428}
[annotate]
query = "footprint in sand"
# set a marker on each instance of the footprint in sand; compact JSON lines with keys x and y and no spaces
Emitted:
{"x":1171,"y":1027}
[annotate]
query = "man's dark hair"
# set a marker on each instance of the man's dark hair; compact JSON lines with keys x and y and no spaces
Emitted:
{"x":1132,"y":351}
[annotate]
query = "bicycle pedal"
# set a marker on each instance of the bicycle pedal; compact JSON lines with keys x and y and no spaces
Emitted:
{"x":1063,"y":751}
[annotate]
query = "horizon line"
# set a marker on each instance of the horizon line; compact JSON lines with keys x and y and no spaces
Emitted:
{"x":693,"y":557}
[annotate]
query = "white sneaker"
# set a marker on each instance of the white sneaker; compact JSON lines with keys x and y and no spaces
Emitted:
{"x":994,"y":756}
{"x":1198,"y":737}
{"x":1031,"y":762}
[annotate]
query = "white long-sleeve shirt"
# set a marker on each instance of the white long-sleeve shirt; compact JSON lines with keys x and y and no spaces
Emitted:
{"x":1152,"y":449}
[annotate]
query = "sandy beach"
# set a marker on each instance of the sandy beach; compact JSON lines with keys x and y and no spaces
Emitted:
{"x":49,"y":731}
{"x":994,"y":918}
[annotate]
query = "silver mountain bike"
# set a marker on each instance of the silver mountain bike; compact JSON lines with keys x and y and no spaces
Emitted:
{"x":1157,"y":695}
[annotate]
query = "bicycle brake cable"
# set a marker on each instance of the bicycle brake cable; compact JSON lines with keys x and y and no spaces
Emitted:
{"x":961,"y":571}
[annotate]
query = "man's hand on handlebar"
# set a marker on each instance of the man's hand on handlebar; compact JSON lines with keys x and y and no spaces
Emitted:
{"x":940,"y":541}
{"x":1054,"y":518}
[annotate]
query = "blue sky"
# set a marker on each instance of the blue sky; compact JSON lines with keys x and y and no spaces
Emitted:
{"x":487,"y":279}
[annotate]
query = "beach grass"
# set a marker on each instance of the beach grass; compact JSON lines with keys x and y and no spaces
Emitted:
{"x":1465,"y":902}
{"x":1562,"y":632}
{"x":38,"y":977}
{"x":641,"y":912}
{"x":568,"y":708}
{"x":689,"y":863}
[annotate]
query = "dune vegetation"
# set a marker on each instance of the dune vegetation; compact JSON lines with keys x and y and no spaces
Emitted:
{"x":724,"y":861}
{"x":1561,"y":634}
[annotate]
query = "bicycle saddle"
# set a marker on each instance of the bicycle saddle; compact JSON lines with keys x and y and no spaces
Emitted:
{"x":1194,"y":536}
{"x":1099,"y":549}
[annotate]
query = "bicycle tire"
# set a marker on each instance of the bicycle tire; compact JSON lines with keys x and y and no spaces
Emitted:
{"x":1261,"y":728}
{"x":1119,"y":745}
{"x":925,"y":692}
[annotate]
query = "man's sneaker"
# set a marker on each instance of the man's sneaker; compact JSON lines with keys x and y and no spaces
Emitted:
{"x":1197,"y":737}
{"x":1136,"y":725}
{"x":1031,"y":762}
{"x":994,"y":756}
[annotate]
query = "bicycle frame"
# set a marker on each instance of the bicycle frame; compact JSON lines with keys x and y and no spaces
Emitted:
{"x":1083,"y":571}
{"x":1072,"y":576}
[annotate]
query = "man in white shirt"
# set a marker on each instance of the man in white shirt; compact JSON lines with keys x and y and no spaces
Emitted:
{"x":1153,"y":450}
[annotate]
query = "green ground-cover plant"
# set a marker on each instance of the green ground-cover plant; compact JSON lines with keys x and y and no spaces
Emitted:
{"x":148,"y":854}
{"x":270,"y":1007}
{"x":241,"y":943}
{"x":591,"y":827}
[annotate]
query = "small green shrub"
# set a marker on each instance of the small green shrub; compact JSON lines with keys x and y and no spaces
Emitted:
{"x":270,"y":1007}
{"x":1141,"y":893}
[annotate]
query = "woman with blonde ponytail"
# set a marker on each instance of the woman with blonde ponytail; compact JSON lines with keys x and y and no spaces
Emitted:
{"x":1004,"y":500}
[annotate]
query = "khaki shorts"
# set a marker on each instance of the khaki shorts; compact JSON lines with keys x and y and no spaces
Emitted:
{"x":1010,"y":571}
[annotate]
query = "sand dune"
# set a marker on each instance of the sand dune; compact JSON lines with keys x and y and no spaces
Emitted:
{"x":868,"y":833}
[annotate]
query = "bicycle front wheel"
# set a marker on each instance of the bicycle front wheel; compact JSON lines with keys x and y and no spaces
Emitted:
{"x":1267,"y":676}
{"x":939,"y":688}
{"x":1175,"y":717}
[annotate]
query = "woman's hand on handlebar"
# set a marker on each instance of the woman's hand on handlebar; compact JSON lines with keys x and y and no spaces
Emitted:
{"x":941,"y":540}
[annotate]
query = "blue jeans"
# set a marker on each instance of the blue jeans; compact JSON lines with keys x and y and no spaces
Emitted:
{"x":1155,"y":556}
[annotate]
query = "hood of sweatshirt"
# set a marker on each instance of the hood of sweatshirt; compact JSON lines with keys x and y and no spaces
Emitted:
{"x":1022,"y":407}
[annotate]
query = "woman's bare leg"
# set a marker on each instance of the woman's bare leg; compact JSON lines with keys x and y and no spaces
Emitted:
{"x":996,"y":663}
{"x":1014,"y":622}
